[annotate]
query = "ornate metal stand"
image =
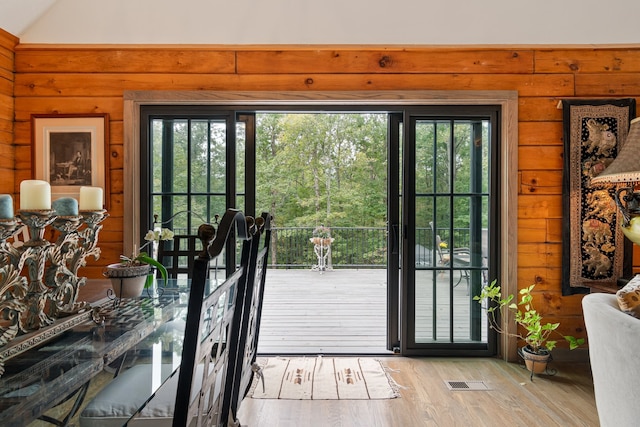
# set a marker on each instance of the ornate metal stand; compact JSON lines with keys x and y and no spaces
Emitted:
{"x":31,"y":303}
{"x":322,"y":249}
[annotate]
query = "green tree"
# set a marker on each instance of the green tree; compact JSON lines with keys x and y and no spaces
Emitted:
{"x":323,"y":168}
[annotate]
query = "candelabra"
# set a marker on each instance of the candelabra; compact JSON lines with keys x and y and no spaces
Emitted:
{"x":39,"y":280}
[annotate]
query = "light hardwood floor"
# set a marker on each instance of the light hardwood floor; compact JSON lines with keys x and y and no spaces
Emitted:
{"x":565,"y":399}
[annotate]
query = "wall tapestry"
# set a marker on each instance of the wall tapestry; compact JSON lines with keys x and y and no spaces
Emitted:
{"x":595,"y":253}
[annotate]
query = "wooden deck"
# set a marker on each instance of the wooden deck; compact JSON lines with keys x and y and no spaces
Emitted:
{"x":339,"y":311}
{"x":344,"y":311}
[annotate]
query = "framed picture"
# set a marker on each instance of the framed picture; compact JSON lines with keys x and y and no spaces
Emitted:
{"x":70,"y":151}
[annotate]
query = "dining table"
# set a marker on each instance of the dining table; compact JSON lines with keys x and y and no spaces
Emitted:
{"x":120,"y":332}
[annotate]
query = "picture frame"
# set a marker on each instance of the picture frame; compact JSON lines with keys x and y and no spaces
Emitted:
{"x":70,"y":151}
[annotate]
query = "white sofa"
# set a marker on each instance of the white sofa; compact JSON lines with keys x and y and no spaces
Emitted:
{"x":614,"y":352}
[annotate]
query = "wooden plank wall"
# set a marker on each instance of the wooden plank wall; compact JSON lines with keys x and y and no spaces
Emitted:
{"x":7,"y":160}
{"x":88,"y":79}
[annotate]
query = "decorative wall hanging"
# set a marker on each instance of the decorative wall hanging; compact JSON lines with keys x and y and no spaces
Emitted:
{"x":595,"y":252}
{"x":70,"y":151}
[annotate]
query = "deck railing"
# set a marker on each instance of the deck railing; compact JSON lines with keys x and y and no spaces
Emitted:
{"x":353,"y":247}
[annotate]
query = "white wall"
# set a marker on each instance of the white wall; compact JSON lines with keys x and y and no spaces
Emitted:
{"x":334,"y":22}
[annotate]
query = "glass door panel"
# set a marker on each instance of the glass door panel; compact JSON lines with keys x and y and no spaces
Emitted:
{"x":188,"y":171}
{"x":447,"y":218}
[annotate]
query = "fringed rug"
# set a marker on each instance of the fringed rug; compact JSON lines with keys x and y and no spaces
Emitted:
{"x":322,"y":378}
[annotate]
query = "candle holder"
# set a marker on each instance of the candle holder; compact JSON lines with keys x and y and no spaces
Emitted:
{"x":39,"y":280}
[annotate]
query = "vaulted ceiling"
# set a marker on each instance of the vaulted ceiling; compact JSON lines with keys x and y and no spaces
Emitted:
{"x":404,"y":22}
{"x":17,"y":15}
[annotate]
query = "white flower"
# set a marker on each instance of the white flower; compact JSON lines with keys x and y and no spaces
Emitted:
{"x":157,"y":235}
{"x":166,"y":234}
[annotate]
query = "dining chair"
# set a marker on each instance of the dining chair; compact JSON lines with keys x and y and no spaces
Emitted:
{"x":199,"y":394}
{"x":177,"y":254}
{"x":245,"y":344}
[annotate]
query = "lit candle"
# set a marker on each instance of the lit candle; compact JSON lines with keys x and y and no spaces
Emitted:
{"x":65,"y":206}
{"x":90,"y":198}
{"x":35,"y":195}
{"x":6,"y":206}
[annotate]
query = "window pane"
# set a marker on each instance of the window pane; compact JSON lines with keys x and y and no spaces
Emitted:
{"x":199,"y":160}
{"x":425,"y":168}
{"x":218,"y":156}
{"x":240,"y":160}
{"x":179,"y":141}
{"x":443,"y":156}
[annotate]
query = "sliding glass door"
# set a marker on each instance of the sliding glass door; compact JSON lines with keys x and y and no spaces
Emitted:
{"x":449,"y":219}
{"x":441,"y":203}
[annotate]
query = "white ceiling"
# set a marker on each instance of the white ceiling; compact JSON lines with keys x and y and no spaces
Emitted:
{"x":327,"y":22}
{"x":17,"y":15}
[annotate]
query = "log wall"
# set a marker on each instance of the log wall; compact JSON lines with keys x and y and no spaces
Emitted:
{"x":7,"y":156}
{"x":91,"y":79}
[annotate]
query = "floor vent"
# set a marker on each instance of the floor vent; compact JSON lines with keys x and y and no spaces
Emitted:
{"x":466,"y":385}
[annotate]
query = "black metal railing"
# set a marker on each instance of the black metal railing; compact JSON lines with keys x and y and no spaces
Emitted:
{"x":352,"y":247}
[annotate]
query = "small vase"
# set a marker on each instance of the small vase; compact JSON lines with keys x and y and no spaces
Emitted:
{"x":127,"y":281}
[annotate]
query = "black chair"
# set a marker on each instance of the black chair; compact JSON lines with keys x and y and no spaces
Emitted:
{"x":207,"y":352}
{"x":202,"y":391}
{"x":178,"y":254}
{"x":248,"y":319}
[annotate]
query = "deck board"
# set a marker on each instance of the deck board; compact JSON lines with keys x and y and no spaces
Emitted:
{"x":344,"y":311}
{"x":339,"y":311}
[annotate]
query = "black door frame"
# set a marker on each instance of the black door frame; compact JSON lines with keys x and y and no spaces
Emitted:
{"x":408,"y":267}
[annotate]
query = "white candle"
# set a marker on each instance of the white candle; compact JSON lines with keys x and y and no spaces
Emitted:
{"x":35,"y":195}
{"x":90,"y":199}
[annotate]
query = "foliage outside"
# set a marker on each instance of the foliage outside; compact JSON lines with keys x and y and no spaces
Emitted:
{"x":537,"y":333}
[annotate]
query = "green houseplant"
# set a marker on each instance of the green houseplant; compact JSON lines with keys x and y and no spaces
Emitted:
{"x":537,"y":334}
{"x":133,"y":273}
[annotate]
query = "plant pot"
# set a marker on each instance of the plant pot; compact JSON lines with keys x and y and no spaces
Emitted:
{"x":127,"y":281}
{"x":322,"y":241}
{"x":535,"y":362}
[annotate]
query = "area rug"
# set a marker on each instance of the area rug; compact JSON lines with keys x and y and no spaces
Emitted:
{"x":322,"y":378}
{"x":595,"y":253}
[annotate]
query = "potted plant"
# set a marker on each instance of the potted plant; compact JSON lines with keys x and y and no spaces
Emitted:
{"x":531,"y":329}
{"x":133,"y":273}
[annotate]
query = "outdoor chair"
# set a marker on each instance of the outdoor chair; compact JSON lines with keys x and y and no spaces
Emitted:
{"x":460,"y":257}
